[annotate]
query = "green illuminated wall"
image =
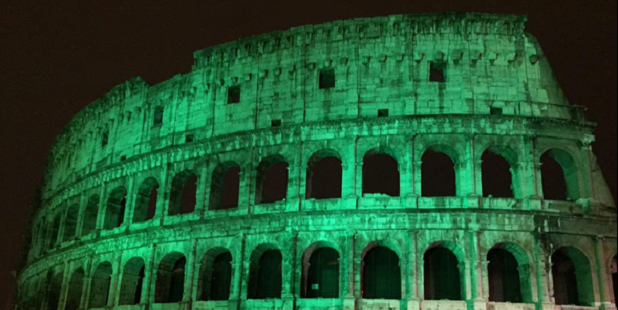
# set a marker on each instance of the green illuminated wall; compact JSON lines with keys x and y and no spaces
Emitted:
{"x":459,"y":84}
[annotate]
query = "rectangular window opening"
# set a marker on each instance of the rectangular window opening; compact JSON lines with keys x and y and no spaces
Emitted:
{"x":276,"y":123}
{"x":437,"y":72}
{"x":383,"y":113}
{"x":158,"y":116}
{"x":327,"y":79}
{"x":497,"y":111}
{"x":233,"y":95}
{"x":105,"y":139}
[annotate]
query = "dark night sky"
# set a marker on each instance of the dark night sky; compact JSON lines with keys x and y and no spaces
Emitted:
{"x":58,"y":56}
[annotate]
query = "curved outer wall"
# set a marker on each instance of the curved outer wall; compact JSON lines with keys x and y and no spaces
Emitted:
{"x":499,"y":93}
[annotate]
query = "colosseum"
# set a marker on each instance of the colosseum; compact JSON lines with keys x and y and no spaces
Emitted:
{"x":404,"y":162}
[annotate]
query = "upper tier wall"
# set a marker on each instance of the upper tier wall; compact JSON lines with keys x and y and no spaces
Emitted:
{"x":381,"y":65}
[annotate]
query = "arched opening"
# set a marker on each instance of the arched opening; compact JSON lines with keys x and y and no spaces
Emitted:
{"x":216,"y":276}
{"x":560,"y":176}
{"x":100,"y":286}
{"x":132,"y":282}
{"x":381,"y":175}
{"x":442,"y":275}
{"x":116,"y":206}
{"x":183,"y":196}
{"x":265,"y":278}
{"x":614,"y":271}
{"x":321,"y":274}
{"x":171,"y":279}
{"x":381,"y":274}
{"x":438,"y":175}
{"x":53,"y":292}
{"x":55,"y":231}
{"x":572,"y":278}
{"x":225,"y":187}
{"x":504,"y":277}
{"x":324,"y":176}
{"x":70,"y":224}
{"x":497,"y":176}
{"x":91,"y":212}
{"x":146,"y":202}
{"x":76,"y":287}
{"x":272,"y":180}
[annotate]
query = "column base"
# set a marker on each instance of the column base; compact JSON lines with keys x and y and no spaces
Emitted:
{"x":349,"y":303}
{"x":414,"y":304}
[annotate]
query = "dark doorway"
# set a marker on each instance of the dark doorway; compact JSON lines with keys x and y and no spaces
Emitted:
{"x":381,"y":275}
{"x":265,"y":280}
{"x":216,"y":277}
{"x":100,"y":287}
{"x":76,"y":287}
{"x":171,"y":279}
{"x":442,"y":275}
{"x":116,"y":206}
{"x":322,"y":275}
{"x":225,"y":187}
{"x":566,"y":288}
{"x":132,"y":282}
{"x":504,"y":277}
{"x":146,"y":203}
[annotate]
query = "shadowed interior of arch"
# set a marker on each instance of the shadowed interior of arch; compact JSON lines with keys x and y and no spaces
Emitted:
{"x":442,"y":275}
{"x":272,"y":180}
{"x":100,"y":286}
{"x":265,"y":278}
{"x":146,"y":201}
{"x":91,"y":212}
{"x":614,"y":272}
{"x":70,"y":224}
{"x":132,"y":282}
{"x":183,"y":195}
{"x":116,"y":206}
{"x":54,"y":290}
{"x":504,"y":277}
{"x":75,"y":290}
{"x":559,"y":176}
{"x":572,"y":278}
{"x":170,"y":283}
{"x":225,"y":187}
{"x":215,"y":276}
{"x":497,"y":176}
{"x":438,"y":175}
{"x":381,"y":175}
{"x":381,"y":274}
{"x":321,"y":274}
{"x":324,"y":176}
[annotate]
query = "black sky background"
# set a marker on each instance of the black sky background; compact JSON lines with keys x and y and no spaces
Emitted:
{"x":56,"y":57}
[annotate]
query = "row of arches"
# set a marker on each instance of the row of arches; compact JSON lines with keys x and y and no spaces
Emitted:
{"x":380,"y":175}
{"x":444,"y":275}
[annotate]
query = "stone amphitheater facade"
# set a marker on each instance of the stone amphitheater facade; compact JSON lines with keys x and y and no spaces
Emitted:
{"x":291,"y":170}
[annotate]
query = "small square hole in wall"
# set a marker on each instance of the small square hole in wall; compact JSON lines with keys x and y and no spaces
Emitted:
{"x":276,"y":123}
{"x":233,"y":95}
{"x":123,"y":158}
{"x":327,"y":78}
{"x":189,"y":138}
{"x":383,"y":113}
{"x":437,"y":72}
{"x":497,"y":111}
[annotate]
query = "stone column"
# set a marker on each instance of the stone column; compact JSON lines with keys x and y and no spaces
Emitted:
{"x":190,"y":273}
{"x":114,"y":288}
{"x":543,"y":274}
{"x":238,"y":271}
{"x":469,"y":176}
{"x":602,"y":272}
{"x":130,"y":204}
{"x":202,"y":191}
{"x":150,"y":278}
{"x":348,"y":261}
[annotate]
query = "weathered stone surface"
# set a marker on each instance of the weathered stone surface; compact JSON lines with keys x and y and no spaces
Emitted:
{"x":463,"y":85}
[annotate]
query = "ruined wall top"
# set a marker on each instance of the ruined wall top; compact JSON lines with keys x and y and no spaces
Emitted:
{"x":431,"y":65}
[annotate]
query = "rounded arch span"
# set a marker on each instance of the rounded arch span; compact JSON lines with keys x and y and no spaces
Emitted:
{"x":444,"y":271}
{"x":522,"y":270}
{"x":321,"y":271}
{"x":564,"y":184}
{"x":100,"y":286}
{"x":324,"y":175}
{"x":381,"y":273}
{"x":170,"y":281}
{"x":572,"y":274}
{"x":449,"y":150}
{"x":183,"y":194}
{"x":225,"y":186}
{"x":386,"y":243}
{"x":265,"y":272}
{"x":146,"y":200}
{"x":381,"y":174}
{"x":132,"y":284}
{"x":215,"y":275}
{"x":451,"y":246}
{"x":116,"y":207}
{"x":90,"y":215}
{"x":272,"y":179}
